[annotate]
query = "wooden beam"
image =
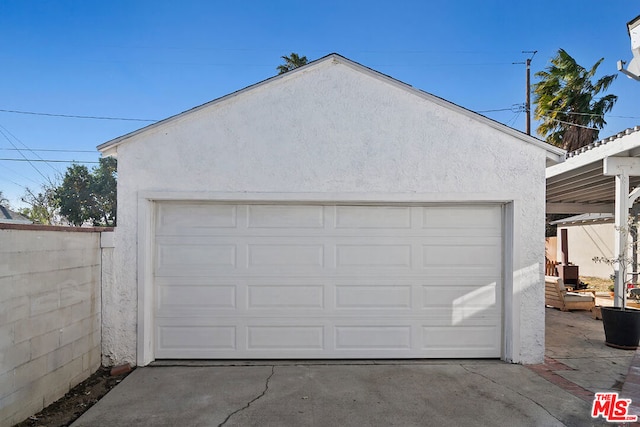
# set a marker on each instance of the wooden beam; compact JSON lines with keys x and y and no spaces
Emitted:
{"x":579,"y":208}
{"x":629,"y":166}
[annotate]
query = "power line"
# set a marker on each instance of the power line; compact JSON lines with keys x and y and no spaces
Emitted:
{"x":15,"y":183}
{"x":44,"y":160}
{"x":22,"y":154}
{"x":515,"y":108}
{"x":512,"y":122}
{"x":8,"y":169}
{"x":26,"y":147}
{"x":572,"y":124}
{"x":491,"y":111}
{"x":322,"y":52}
{"x":56,"y":150}
{"x":73,"y":116}
{"x":565,"y":112}
{"x":589,"y":114}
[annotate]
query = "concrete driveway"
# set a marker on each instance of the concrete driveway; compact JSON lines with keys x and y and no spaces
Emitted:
{"x":403,"y":393}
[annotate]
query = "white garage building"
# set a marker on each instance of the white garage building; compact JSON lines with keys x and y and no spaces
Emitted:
{"x":330,"y":212}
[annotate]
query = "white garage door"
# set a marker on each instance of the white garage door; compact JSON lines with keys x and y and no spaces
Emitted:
{"x":252,"y":281}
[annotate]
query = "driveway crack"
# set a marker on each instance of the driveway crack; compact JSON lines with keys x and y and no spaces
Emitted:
{"x":266,"y":388}
{"x":509,"y":388}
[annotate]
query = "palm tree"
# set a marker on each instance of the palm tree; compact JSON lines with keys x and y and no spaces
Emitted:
{"x":567,"y":103}
{"x":291,"y":62}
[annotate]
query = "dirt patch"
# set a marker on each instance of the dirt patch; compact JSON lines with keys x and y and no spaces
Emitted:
{"x":76,"y":402}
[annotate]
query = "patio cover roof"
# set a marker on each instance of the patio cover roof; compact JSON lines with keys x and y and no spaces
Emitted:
{"x":603,"y":177}
{"x":578,"y":185}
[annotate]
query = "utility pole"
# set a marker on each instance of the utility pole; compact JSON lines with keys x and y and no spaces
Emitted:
{"x":528,"y":99}
{"x":527,"y":105}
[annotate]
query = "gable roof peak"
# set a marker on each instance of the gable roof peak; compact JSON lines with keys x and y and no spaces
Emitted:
{"x":554,"y":154}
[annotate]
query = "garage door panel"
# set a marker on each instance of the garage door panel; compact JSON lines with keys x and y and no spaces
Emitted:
{"x":466,"y":338}
{"x":463,"y":217}
{"x":342,"y":340}
{"x":373,"y":337}
{"x":285,"y":337}
{"x":461,"y":296}
{"x":285,"y":217}
{"x":332,"y":281}
{"x":193,"y":297}
{"x":193,"y":337}
{"x":375,"y":218}
{"x":466,"y":256}
{"x":373,"y":297}
{"x":293,"y":296}
{"x":463,"y":259}
{"x":196,"y":255}
{"x":286,"y":255}
{"x":194,"y":218}
{"x":372,"y":255}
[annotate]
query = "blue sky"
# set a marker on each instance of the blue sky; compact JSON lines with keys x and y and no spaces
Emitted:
{"x":149,"y":60}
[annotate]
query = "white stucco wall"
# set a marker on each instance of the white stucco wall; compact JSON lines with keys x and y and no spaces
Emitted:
{"x":587,"y":241}
{"x":327,"y":131}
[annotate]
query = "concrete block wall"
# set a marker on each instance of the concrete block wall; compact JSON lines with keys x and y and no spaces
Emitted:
{"x":50,"y":315}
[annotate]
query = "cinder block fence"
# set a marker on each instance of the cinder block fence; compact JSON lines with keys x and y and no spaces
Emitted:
{"x":50,"y":313}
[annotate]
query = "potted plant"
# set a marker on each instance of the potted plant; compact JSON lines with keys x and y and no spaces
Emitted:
{"x":621,"y":323}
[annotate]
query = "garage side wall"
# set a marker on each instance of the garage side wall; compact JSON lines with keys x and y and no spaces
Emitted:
{"x":325,"y":132}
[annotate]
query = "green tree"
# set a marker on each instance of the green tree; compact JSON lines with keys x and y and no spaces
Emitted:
{"x":89,"y":196}
{"x":291,"y":62}
{"x":74,"y":195}
{"x":43,"y":207}
{"x":104,"y":187}
{"x":567,"y":102}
